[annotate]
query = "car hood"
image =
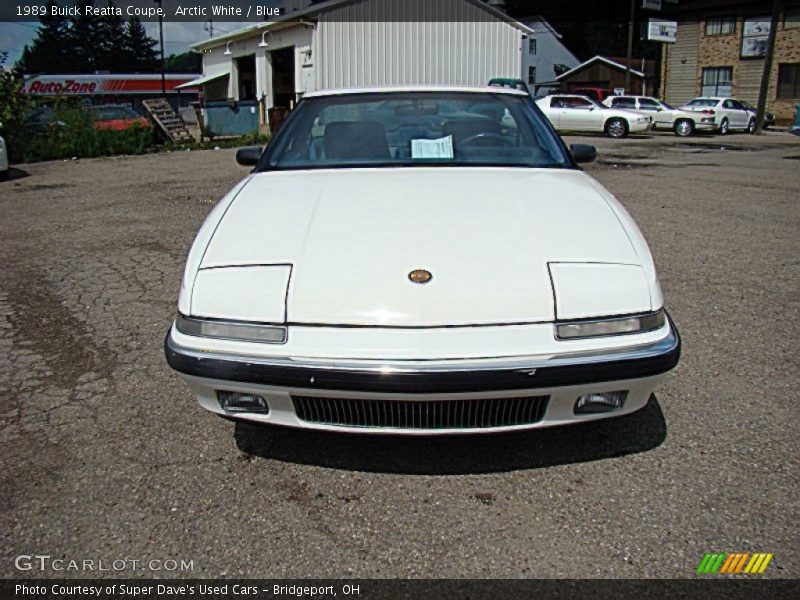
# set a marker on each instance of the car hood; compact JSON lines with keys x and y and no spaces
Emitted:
{"x":352,"y":236}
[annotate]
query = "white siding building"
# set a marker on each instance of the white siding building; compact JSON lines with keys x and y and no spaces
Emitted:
{"x":544,"y":57}
{"x":350,"y":43}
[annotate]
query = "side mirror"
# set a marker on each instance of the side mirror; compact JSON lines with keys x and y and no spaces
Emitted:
{"x":583,"y":153}
{"x":248,"y":156}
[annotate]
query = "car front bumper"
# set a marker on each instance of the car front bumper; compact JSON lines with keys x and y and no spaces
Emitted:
{"x":556,"y":382}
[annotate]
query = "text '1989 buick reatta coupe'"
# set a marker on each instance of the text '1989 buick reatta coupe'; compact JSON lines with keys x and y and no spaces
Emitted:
{"x":420,"y":261}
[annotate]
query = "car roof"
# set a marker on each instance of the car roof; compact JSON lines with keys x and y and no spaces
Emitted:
{"x":416,"y":88}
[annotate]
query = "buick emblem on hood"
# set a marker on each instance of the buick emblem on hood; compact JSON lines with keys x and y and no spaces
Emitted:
{"x":420,"y":276}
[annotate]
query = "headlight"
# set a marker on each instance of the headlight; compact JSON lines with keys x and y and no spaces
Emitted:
{"x":231,"y":330}
{"x":569,"y":330}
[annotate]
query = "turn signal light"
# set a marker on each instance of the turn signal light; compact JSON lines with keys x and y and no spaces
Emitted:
{"x":601,"y":402}
{"x":238,"y":402}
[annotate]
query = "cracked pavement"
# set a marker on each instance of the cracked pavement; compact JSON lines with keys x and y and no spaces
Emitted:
{"x":105,"y":453}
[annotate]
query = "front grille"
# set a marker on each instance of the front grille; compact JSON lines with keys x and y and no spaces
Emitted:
{"x":424,"y":414}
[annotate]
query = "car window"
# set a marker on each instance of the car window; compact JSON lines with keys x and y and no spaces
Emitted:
{"x":413,"y":129}
{"x":727,"y":104}
{"x":647,"y":104}
{"x":736,"y":104}
{"x":623,"y":103}
{"x":581,"y":103}
{"x":704,"y":102}
{"x":110,"y":113}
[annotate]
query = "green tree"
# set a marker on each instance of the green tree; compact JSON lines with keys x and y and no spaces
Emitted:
{"x":13,"y":108}
{"x":50,"y":51}
{"x":113,"y":55}
{"x":88,"y":43}
{"x":188,"y":62}
{"x":140,"y":47}
{"x":87,"y":37}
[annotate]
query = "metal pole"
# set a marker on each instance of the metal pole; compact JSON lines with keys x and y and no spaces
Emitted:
{"x":629,"y":54}
{"x":764,"y":91}
{"x":161,"y":44}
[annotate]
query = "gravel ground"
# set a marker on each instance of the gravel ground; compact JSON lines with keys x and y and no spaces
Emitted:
{"x":105,"y":454}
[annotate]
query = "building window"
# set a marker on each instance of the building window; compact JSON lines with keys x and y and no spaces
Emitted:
{"x":721,"y":25}
{"x":789,"y":81}
{"x":755,"y":32}
{"x":532,"y":46}
{"x":791,"y":18}
{"x":531,"y":74}
{"x":717,"y":81}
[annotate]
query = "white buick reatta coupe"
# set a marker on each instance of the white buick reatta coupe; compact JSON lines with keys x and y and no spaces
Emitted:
{"x":420,"y":261}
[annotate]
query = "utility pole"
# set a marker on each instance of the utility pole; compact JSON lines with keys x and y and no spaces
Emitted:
{"x":161,"y":43}
{"x":629,"y":54}
{"x":209,"y":27}
{"x":764,"y":91}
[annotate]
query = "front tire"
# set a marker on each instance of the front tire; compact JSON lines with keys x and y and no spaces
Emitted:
{"x":616,"y":128}
{"x":751,"y":126}
{"x":684,"y":127}
{"x":724,"y":127}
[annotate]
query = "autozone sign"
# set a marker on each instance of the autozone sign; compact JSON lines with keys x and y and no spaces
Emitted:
{"x":67,"y":86}
{"x":87,"y":85}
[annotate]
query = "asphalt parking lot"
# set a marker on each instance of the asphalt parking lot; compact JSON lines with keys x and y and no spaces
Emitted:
{"x":106,"y":455}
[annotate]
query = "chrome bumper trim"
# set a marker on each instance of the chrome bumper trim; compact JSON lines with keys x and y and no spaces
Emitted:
{"x":632,"y":362}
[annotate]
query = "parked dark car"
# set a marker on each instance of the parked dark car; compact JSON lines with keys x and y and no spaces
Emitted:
{"x":39,"y":119}
{"x":769,"y":118}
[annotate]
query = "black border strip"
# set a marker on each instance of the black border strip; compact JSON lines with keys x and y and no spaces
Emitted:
{"x":420,"y":382}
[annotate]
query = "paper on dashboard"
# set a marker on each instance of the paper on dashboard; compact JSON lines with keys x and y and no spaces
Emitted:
{"x":441,"y":148}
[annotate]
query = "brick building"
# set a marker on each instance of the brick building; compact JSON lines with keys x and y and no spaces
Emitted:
{"x":720,"y":49}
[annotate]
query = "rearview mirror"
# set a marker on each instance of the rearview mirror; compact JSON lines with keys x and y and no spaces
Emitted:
{"x":583,"y":153}
{"x":248,"y":156}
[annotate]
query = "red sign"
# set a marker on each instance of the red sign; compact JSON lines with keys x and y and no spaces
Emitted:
{"x":86,"y":85}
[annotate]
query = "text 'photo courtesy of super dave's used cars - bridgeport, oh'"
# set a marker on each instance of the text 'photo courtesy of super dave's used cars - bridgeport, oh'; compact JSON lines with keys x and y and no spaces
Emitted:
{"x":340,"y":287}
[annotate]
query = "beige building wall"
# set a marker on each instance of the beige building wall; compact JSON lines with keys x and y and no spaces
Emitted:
{"x":694,"y":50}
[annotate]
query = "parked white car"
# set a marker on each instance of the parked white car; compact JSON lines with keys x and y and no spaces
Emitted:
{"x":728,"y":114}
{"x":682,"y":122}
{"x":569,"y":112}
{"x":420,"y":261}
{"x":3,"y":159}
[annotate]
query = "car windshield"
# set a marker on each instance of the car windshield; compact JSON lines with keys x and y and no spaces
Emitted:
{"x":703,"y":102}
{"x":415,"y":129}
{"x":110,"y":113}
{"x":665,"y":105}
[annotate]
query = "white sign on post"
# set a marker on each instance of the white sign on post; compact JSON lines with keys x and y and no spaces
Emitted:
{"x":659,"y":30}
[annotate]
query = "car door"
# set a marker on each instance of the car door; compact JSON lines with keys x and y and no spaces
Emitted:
{"x":742,"y":114}
{"x":660,"y":116}
{"x":551,"y":107}
{"x":581,"y":114}
{"x":733,"y":115}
